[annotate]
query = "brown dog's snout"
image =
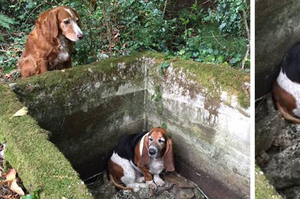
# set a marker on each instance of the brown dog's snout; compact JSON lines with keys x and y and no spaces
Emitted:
{"x":80,"y":36}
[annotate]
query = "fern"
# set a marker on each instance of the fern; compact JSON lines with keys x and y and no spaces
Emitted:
{"x":5,"y":21}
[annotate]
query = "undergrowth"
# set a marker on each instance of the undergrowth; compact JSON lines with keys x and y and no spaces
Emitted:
{"x":215,"y":32}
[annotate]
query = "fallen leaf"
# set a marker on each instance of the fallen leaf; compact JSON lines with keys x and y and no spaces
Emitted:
{"x":12,"y":182}
{"x":7,"y":76}
{"x":15,"y":187}
{"x":10,"y":175}
{"x":23,"y":111}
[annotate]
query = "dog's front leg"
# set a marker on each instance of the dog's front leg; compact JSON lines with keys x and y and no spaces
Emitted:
{"x":67,"y":64}
{"x":148,"y":177}
{"x":42,"y":66}
{"x":158,"y":181}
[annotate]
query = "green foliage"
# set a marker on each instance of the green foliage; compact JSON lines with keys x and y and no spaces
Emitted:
{"x":229,"y":15}
{"x":157,"y":94}
{"x":165,"y":126}
{"x":162,"y":67}
{"x":209,"y":46}
{"x":34,"y":195}
{"x":215,"y":33}
{"x":5,"y":21}
{"x":157,"y":97}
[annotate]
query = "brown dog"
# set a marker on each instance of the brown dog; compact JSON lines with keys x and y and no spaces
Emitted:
{"x":143,"y":154}
{"x":49,"y":45}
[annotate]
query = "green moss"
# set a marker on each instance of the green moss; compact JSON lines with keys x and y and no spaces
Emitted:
{"x":38,"y":162}
{"x":231,"y":80}
{"x":77,"y":75}
{"x":263,"y":189}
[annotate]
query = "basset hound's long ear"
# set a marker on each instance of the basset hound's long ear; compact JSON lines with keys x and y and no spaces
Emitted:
{"x":169,"y":156}
{"x":145,"y":159}
{"x":50,"y":24}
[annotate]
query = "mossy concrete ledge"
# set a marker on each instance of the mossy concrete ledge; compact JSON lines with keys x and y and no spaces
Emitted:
{"x":38,"y":162}
{"x":205,"y":108}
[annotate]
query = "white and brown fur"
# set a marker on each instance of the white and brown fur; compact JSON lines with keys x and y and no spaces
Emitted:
{"x":138,"y":159}
{"x":49,"y":45}
{"x":286,"y":88}
{"x":2,"y":158}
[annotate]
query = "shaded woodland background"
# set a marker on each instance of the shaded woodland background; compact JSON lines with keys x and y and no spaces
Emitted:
{"x":213,"y":31}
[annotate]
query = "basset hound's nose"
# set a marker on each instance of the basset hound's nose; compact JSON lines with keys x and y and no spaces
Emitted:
{"x":152,"y":151}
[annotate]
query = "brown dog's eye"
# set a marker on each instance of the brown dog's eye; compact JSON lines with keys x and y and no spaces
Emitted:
{"x":150,"y":139}
{"x":67,"y":22}
{"x":161,"y":141}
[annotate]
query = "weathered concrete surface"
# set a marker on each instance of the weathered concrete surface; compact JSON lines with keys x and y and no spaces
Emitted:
{"x":283,"y":170}
{"x":269,"y":124}
{"x":89,"y":108}
{"x":277,"y":146}
{"x":214,"y":131}
{"x":277,"y":28}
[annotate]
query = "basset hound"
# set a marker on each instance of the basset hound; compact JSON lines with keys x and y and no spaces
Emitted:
{"x":49,"y":45}
{"x":137,"y":157}
{"x":286,"y":88}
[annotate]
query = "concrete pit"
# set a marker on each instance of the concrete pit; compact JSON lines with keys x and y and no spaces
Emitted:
{"x":85,"y":110}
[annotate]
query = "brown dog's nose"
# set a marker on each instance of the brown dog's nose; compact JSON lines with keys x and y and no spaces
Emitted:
{"x":80,"y":36}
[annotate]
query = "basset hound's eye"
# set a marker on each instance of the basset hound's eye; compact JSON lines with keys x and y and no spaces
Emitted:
{"x":67,"y":22}
{"x":161,"y":140}
{"x":150,"y":139}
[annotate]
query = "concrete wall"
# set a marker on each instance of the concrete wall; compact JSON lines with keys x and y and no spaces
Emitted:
{"x":211,"y":131}
{"x":89,"y":108}
{"x":277,"y":28}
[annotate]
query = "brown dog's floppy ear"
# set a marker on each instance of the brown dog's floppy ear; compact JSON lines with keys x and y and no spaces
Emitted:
{"x":145,"y":159}
{"x":50,"y":24}
{"x":169,"y":156}
{"x":79,"y":23}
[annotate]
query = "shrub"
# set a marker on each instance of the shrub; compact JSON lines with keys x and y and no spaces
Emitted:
{"x":119,"y":27}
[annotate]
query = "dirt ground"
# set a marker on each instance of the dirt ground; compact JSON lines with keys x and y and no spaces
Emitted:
{"x":176,"y":187}
{"x":9,"y":77}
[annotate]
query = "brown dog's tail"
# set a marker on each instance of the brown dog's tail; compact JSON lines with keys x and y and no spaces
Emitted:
{"x":287,"y":115}
{"x":119,"y":186}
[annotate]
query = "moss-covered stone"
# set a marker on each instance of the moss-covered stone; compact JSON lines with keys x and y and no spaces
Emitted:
{"x":262,"y":187}
{"x":38,"y":162}
{"x":230,"y":79}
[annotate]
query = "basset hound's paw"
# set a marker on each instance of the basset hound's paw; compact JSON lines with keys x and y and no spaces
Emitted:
{"x":151,"y":185}
{"x":140,"y":179}
{"x":158,"y":181}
